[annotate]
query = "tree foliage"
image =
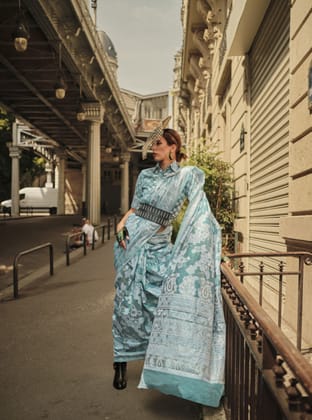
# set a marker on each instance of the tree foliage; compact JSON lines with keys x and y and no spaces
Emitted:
{"x":218,"y":188}
{"x":5,"y":160}
{"x":31,"y":166}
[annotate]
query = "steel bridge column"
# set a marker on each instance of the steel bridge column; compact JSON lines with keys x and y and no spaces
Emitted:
{"x":60,"y":182}
{"x":84,"y":189}
{"x":94,"y":113}
{"x":15,"y":154}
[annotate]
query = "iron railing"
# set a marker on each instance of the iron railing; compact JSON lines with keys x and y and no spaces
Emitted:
{"x":105,"y":229}
{"x":69,"y":244}
{"x":266,"y":377}
{"x":26,"y":252}
{"x":271,"y":267}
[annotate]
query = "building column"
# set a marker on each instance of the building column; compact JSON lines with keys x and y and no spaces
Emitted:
{"x":60,"y":182}
{"x":95,"y":114}
{"x":15,"y":154}
{"x":48,"y":169}
{"x":84,"y":189}
{"x":124,"y":201}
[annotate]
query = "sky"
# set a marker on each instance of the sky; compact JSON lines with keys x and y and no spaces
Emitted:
{"x":146,"y":35}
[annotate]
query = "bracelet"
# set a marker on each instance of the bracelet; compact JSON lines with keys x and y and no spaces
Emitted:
{"x":122,"y":235}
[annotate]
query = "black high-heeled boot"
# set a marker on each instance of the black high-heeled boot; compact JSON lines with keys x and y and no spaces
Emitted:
{"x":120,"y":378}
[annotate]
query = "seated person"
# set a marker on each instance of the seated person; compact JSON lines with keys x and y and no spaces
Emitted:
{"x":88,"y":229}
{"x":77,"y":239}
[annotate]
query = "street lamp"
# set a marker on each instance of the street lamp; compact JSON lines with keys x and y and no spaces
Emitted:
{"x":80,"y":113}
{"x":21,"y":32}
{"x":60,"y":85}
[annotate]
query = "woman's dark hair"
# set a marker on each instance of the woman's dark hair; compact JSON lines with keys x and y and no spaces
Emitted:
{"x":172,"y":137}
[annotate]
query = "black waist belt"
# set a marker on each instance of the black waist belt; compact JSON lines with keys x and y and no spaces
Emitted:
{"x":159,"y":216}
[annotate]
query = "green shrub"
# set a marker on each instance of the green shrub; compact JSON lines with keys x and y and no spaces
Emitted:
{"x":218,"y":188}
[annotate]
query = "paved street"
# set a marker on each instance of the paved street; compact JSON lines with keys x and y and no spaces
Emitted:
{"x":56,"y":351}
{"x":56,"y":345}
{"x":24,"y":233}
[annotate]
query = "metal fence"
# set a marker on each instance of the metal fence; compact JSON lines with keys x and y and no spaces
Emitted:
{"x":266,"y":376}
{"x":105,"y":230}
{"x":78,"y":238}
{"x":268,"y":268}
{"x":27,"y":252}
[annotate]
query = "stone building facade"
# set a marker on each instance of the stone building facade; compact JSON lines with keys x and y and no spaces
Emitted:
{"x":242,"y":88}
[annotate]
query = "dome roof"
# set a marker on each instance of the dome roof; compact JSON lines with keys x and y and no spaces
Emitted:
{"x":108,"y":45}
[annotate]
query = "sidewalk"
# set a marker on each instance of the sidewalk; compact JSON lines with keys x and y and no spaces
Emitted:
{"x":56,"y":359}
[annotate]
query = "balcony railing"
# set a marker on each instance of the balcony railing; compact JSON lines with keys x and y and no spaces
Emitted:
{"x":266,"y":376}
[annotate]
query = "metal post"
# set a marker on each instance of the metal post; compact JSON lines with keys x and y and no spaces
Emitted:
{"x":241,"y":270}
{"x":280,"y":280}
{"x":93,"y":239}
{"x":300,"y":301}
{"x":15,"y":279}
{"x":108,"y":229}
{"x":261,"y":267}
{"x":84,"y":243}
{"x":51,"y":260}
{"x":67,"y":249}
{"x":29,"y":251}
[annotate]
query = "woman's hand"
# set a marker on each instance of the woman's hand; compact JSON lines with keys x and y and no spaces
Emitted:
{"x":122,"y":232}
{"x":122,"y":236}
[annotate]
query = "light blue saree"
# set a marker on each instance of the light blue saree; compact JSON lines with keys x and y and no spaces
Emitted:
{"x":168,"y":306}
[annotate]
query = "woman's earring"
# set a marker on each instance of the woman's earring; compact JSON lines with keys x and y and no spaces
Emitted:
{"x":170,"y":156}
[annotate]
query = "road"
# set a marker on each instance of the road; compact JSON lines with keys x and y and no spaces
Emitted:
{"x":56,"y":350}
{"x":23,"y":233}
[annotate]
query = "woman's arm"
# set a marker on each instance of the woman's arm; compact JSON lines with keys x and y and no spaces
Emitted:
{"x":123,"y":221}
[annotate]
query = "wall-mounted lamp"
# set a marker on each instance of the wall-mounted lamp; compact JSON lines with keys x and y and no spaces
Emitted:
{"x":60,"y":85}
{"x":80,"y":113}
{"x":21,"y":32}
{"x":115,"y":158}
{"x":108,"y":149}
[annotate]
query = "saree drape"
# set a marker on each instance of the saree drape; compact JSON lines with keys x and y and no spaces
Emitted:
{"x":168,"y":305}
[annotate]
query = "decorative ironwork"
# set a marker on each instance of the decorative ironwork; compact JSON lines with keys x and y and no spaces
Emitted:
{"x":266,"y":376}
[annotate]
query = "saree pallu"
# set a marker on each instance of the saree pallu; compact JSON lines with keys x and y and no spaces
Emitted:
{"x":186,"y":350}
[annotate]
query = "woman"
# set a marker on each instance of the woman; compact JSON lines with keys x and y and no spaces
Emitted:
{"x":168,"y":306}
